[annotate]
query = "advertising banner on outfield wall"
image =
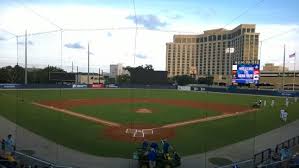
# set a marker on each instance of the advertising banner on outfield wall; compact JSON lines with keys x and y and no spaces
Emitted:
{"x":184,"y":88}
{"x":79,"y":86}
{"x":97,"y":85}
{"x":9,"y":86}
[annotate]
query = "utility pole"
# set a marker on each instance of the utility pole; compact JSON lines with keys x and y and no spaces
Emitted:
{"x":26,"y":57}
{"x":88,"y":63}
{"x":77,"y":80}
{"x":99,"y":75}
{"x":261,"y":50}
{"x":294,"y":79}
{"x":72,"y":67}
{"x":17,"y":50}
{"x":283,"y":68}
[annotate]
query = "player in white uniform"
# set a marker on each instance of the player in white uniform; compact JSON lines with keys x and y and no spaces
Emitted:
{"x":281,"y":114}
{"x":285,"y":116}
{"x":265,"y":103}
{"x":272,"y":103}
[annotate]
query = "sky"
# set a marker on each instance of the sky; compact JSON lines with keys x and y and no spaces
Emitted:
{"x":109,"y":26}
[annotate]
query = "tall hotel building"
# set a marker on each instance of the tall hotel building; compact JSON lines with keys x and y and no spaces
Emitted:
{"x":208,"y":54}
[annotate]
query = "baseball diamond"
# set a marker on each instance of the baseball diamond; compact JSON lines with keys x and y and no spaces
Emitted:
{"x":105,"y":122}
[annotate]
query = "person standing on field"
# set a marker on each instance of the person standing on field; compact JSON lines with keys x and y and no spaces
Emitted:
{"x":265,"y":103}
{"x":281,"y":114}
{"x":272,"y":103}
{"x":285,"y":116}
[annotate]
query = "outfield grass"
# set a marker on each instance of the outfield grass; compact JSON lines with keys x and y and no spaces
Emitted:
{"x":87,"y":137}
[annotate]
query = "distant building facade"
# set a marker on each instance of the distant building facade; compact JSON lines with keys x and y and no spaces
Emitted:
{"x":270,"y":67}
{"x":116,"y":70}
{"x":275,"y":79}
{"x":208,"y":55}
{"x":94,"y":78}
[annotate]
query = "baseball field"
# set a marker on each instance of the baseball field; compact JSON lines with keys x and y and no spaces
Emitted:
{"x":113,"y":122}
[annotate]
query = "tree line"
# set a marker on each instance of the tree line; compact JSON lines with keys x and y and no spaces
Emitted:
{"x":178,"y":80}
{"x":16,"y":74}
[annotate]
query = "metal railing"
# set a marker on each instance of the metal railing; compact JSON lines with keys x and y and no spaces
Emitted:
{"x":245,"y":163}
{"x":31,"y":160}
{"x":37,"y":161}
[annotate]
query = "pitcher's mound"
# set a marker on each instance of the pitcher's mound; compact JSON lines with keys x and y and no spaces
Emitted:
{"x":143,"y":110}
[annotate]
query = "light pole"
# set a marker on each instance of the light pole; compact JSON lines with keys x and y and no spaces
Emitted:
{"x":229,"y":51}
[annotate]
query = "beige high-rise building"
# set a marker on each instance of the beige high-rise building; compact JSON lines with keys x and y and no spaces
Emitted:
{"x":208,"y":54}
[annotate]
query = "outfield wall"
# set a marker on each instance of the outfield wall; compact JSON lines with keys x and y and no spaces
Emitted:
{"x":140,"y":86}
{"x":245,"y":91}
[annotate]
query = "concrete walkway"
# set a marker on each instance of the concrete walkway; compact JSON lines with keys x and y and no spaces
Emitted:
{"x":245,"y":149}
{"x":61,"y":155}
{"x":57,"y":154}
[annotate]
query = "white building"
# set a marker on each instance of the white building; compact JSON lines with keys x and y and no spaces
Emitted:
{"x":116,"y":70}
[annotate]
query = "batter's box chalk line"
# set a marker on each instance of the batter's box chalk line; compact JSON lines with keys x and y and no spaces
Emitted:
{"x":139,"y":133}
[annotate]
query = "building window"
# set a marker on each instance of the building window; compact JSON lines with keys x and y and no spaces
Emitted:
{"x":219,"y":37}
{"x":224,"y":37}
{"x":210,"y":38}
{"x":214,"y":37}
{"x":201,"y":39}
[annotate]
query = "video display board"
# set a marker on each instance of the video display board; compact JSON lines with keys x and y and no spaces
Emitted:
{"x":246,"y":73}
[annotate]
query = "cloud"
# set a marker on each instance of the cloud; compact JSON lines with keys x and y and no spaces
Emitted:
{"x":175,"y":17}
{"x":109,"y":34}
{"x":2,"y":38}
{"x":76,"y":45}
{"x":28,"y":42}
{"x":150,"y":22}
{"x":141,"y":56}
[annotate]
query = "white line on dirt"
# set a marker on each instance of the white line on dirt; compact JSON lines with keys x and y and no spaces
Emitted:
{"x":200,"y":120}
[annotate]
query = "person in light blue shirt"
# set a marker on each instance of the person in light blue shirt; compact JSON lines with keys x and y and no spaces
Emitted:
{"x":9,"y":144}
{"x":284,"y":153}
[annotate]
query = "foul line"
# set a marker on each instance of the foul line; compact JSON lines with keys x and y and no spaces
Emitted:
{"x":82,"y":116}
{"x":190,"y":122}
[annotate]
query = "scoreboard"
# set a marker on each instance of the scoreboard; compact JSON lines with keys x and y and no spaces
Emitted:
{"x":246,"y":73}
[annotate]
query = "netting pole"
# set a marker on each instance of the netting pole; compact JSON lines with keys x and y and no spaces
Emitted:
{"x":26,"y":57}
{"x":88,"y":63}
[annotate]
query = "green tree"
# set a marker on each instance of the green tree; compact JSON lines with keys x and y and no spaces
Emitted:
{"x":139,"y":68}
{"x":206,"y":80}
{"x":184,"y":80}
{"x":123,"y":79}
{"x":11,"y":74}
